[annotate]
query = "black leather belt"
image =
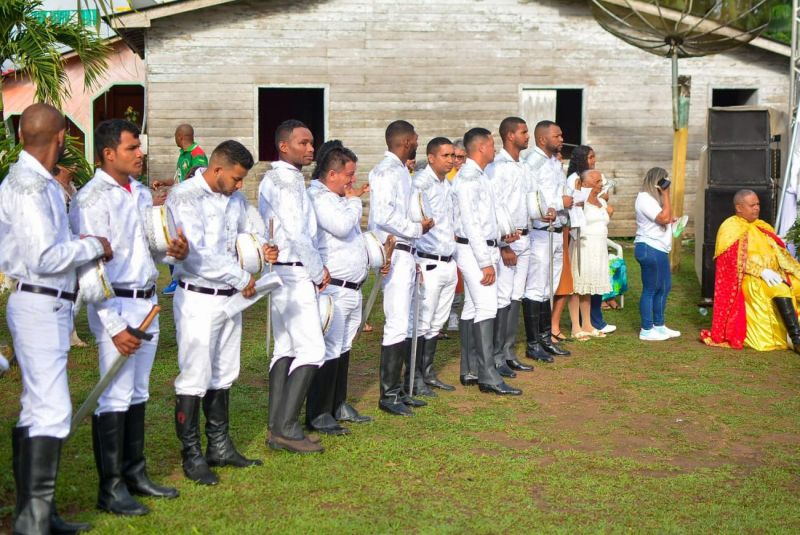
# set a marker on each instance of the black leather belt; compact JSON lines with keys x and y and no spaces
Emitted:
{"x":523,"y":231}
{"x":464,"y":241}
{"x":557,"y":230}
{"x":135,"y":294}
{"x":405,"y":247}
{"x":346,"y":284}
{"x":434,"y":257}
{"x":296,"y":264}
{"x":225,"y":292}
{"x":44,"y":290}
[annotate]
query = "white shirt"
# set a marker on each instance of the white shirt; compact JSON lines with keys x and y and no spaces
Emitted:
{"x":339,"y":238}
{"x":389,"y":197}
{"x":548,"y":175}
{"x":282,"y":197}
{"x":211,"y":223}
{"x":648,"y":231}
{"x":37,"y":246}
{"x":511,"y":180}
{"x":104,"y":208}
{"x":438,"y":197}
{"x":475,"y":216}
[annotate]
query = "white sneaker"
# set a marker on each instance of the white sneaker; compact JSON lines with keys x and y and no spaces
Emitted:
{"x":666,"y":330}
{"x":652,"y":335}
{"x":608,"y":329}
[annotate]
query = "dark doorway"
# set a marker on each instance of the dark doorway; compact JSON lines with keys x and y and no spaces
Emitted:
{"x":277,"y":104}
{"x":569,"y":116}
{"x":721,"y":98}
{"x":120,"y":102}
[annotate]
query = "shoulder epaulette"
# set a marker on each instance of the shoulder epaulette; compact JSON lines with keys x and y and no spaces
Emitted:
{"x":91,"y":193}
{"x":25,"y":181}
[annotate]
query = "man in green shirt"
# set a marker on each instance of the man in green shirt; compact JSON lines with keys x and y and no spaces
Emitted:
{"x":190,"y":156}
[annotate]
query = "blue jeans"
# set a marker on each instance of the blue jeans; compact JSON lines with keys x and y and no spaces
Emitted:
{"x":596,"y":314}
{"x":656,"y":284}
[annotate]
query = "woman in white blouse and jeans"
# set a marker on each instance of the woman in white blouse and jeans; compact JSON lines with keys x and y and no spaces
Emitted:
{"x":651,"y":249}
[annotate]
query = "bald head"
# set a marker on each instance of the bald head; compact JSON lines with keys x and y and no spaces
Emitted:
{"x":40,"y":126}
{"x":184,"y":136}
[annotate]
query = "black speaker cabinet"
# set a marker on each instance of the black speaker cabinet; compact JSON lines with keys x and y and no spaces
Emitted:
{"x":736,"y":126}
{"x":719,"y":207}
{"x":708,"y":272}
{"x":739,"y":166}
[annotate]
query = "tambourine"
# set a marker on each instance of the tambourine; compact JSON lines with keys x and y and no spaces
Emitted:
{"x":376,"y":254}
{"x":504,"y":223}
{"x":416,"y":208}
{"x":536,"y":205}
{"x":160,"y":227}
{"x":325,"y":303}
{"x":93,"y":283}
{"x":250,"y":253}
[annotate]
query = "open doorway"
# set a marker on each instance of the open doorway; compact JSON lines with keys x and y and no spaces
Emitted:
{"x":277,"y":104}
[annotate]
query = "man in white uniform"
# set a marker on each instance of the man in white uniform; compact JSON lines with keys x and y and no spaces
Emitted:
{"x":299,"y":345}
{"x":211,"y":211}
{"x":511,"y":180}
{"x":478,"y":257}
{"x":551,"y":183}
{"x":338,"y":209}
{"x":390,"y":193}
{"x":38,"y":251}
{"x":114,"y":204}
{"x":435,"y":255}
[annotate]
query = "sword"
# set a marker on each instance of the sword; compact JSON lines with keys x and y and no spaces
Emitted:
{"x":112,"y":372}
{"x":578,"y":249}
{"x":550,"y":241}
{"x":414,"y":331}
{"x":373,"y":296}
{"x":271,"y":243}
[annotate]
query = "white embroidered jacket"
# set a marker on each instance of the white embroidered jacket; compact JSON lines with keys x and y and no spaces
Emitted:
{"x":282,"y":197}
{"x":549,"y":177}
{"x":36,"y":244}
{"x":104,"y":208}
{"x":339,"y":238}
{"x":512,"y":181}
{"x":475,"y":215}
{"x":389,"y":195}
{"x":211,"y":222}
{"x":438,"y":197}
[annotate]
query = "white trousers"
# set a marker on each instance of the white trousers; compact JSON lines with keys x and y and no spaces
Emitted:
{"x":538,"y":287}
{"x":480,"y":302}
{"x":438,"y":290}
{"x":40,"y":326}
{"x":209,"y":343}
{"x":295,"y":319}
{"x":346,"y":320}
{"x":398,"y":287}
{"x":132,"y":384}
{"x":511,"y":280}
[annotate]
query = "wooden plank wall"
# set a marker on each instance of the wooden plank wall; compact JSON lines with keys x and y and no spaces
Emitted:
{"x":444,"y":66}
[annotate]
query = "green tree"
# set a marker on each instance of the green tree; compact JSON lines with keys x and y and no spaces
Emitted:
{"x":34,"y":45}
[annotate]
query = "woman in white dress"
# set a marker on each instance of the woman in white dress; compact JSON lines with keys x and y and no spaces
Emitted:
{"x":590,"y":264}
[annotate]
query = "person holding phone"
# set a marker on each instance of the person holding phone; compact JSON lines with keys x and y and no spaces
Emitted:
{"x":651,"y":248}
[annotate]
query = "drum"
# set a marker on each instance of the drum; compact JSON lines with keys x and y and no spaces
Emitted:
{"x":325,"y":303}
{"x":504,"y":223}
{"x":416,"y":209}
{"x":376,"y":254}
{"x":250,"y":253}
{"x":160,"y":228}
{"x":93,"y":283}
{"x":536,"y":205}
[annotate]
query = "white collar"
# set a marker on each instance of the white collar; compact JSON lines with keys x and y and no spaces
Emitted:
{"x":26,"y":158}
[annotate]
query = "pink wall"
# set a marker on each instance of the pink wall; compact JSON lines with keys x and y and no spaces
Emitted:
{"x":124,"y":67}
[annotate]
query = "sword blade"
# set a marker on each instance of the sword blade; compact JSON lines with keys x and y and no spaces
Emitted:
{"x":373,"y":296}
{"x":414,"y":333}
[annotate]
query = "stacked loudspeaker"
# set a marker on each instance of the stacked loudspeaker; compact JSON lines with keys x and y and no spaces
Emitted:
{"x":739,"y":157}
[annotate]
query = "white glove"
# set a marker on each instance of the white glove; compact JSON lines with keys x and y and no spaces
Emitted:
{"x":770,"y":277}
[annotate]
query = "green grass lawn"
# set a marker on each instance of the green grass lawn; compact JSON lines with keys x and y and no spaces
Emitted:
{"x":623,"y":436}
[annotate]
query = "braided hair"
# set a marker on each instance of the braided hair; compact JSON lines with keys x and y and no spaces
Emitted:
{"x":332,"y":156}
